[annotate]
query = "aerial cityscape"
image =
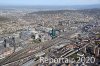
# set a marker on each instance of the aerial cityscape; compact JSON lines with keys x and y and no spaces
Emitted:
{"x":50,"y":33}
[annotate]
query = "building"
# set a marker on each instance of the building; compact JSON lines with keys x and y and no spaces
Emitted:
{"x":45,"y":37}
{"x":97,"y":51}
{"x":25,"y":35}
{"x":43,"y":29}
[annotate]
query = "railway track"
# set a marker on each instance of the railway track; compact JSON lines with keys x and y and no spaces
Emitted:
{"x":24,"y":52}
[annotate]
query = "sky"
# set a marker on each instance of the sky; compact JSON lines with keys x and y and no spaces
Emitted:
{"x":49,"y":2}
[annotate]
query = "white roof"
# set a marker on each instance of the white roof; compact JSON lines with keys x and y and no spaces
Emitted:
{"x":60,"y":46}
{"x":39,"y":54}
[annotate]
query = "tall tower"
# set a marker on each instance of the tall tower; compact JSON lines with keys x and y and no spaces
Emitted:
{"x":5,"y":42}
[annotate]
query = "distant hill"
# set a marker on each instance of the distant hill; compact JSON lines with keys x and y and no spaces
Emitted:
{"x":72,"y":15}
{"x":85,"y":6}
{"x":85,"y":11}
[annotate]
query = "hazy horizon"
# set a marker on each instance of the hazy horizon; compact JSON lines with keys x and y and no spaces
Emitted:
{"x":53,"y":6}
{"x":48,"y":2}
